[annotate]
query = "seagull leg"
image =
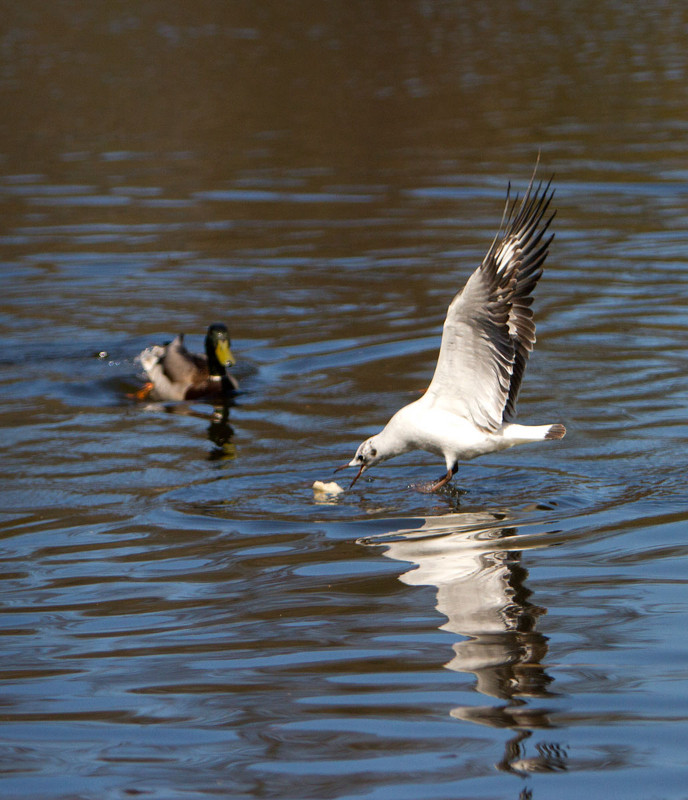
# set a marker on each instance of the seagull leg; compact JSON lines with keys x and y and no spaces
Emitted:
{"x":444,"y":480}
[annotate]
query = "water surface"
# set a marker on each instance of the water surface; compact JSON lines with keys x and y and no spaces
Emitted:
{"x":182,"y":616}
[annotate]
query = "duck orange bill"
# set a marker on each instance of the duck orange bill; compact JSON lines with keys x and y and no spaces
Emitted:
{"x":358,"y":474}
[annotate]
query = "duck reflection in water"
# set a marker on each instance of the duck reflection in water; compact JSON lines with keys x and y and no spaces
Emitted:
{"x":473,"y":561}
{"x":221,"y":433}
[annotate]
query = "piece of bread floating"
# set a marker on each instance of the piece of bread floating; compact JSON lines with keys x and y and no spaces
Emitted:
{"x":332,"y":488}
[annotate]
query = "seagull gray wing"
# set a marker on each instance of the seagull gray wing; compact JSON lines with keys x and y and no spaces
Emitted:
{"x":489,"y":330}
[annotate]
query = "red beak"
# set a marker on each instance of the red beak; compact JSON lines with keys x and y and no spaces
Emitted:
{"x":358,"y":474}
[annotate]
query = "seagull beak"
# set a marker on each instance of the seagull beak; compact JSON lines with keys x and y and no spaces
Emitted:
{"x":358,"y":475}
{"x":352,"y":464}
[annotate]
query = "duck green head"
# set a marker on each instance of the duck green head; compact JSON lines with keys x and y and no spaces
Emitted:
{"x":218,"y":347}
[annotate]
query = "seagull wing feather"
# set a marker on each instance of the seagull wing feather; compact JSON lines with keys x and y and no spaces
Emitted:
{"x":489,"y":330}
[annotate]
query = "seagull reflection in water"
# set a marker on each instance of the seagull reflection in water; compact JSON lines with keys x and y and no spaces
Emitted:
{"x":473,"y":561}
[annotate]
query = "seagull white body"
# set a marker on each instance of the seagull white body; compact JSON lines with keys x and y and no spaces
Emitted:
{"x":488,"y":335}
{"x":421,"y":426}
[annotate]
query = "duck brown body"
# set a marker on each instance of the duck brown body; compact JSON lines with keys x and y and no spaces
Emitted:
{"x":175,"y":373}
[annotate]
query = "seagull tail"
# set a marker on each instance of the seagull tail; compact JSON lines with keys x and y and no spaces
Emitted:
{"x":522,"y":434}
{"x":557,"y":431}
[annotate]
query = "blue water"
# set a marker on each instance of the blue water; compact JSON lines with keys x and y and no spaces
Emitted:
{"x":182,"y":616}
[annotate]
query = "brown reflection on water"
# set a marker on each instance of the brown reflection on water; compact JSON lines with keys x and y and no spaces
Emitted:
{"x":351,"y":83}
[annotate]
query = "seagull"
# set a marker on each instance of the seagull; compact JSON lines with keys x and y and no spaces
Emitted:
{"x":488,"y":334}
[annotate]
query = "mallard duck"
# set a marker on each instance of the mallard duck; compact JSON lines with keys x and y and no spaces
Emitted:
{"x":177,"y":374}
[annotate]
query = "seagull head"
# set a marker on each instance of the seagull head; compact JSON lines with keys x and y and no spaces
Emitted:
{"x":367,"y":455}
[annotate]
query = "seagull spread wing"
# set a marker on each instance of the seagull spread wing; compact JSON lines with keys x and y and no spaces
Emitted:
{"x":489,"y":330}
